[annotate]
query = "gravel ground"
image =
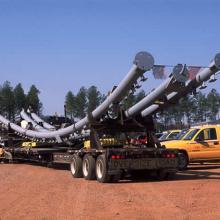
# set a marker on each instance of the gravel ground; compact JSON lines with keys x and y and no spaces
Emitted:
{"x":37,"y":192}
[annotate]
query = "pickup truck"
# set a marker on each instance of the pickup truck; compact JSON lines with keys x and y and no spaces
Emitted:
{"x":200,"y":144}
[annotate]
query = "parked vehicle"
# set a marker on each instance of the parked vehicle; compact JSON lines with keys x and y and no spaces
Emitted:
{"x":200,"y":144}
{"x":169,"y":135}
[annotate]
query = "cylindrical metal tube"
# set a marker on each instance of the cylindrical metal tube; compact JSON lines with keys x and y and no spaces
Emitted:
{"x":178,"y":77}
{"x":201,"y":77}
{"x":143,"y":61}
{"x":44,"y":123}
{"x":26,"y":117}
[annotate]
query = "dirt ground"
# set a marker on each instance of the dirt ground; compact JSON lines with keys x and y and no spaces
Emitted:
{"x":37,"y":192}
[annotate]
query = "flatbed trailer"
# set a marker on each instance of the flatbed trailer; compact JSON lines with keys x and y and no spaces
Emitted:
{"x":105,"y":159}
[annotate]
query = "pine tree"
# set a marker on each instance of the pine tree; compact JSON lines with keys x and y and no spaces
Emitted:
{"x":70,"y":103}
{"x":94,"y":98}
{"x":20,"y":98}
{"x":33,"y":100}
{"x":213,"y":103}
{"x":81,"y":103}
{"x":7,"y":99}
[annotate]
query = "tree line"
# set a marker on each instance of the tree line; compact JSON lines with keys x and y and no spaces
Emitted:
{"x":87,"y":99}
{"x":190,"y":110}
{"x":13,"y":100}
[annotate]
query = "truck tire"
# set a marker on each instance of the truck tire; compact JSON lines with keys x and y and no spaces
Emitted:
{"x":183,"y":161}
{"x":101,"y":170}
{"x":88,"y":167}
{"x":76,"y":167}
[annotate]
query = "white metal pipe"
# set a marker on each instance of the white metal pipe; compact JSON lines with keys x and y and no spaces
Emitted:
{"x":44,"y":123}
{"x":202,"y":76}
{"x":143,"y":61}
{"x":178,"y":77}
{"x":27,"y":118}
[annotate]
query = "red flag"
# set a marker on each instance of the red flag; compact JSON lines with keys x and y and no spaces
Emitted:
{"x":193,"y":71}
{"x":159,"y":72}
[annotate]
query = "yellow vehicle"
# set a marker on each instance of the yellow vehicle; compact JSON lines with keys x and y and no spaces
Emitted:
{"x":169,"y":135}
{"x":199,"y":144}
{"x":1,"y":151}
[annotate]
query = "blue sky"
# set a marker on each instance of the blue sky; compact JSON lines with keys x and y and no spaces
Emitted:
{"x":61,"y":45}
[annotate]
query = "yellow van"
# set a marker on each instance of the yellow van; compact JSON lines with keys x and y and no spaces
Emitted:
{"x":199,"y":144}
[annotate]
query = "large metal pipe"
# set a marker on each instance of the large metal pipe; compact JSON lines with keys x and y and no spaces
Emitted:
{"x":143,"y":61}
{"x":191,"y":85}
{"x":27,"y":118}
{"x":44,"y":123}
{"x":175,"y":80}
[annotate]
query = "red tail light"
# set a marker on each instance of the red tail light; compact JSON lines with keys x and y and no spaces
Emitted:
{"x":168,"y":155}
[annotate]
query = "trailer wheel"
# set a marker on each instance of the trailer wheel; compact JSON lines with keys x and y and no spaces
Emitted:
{"x":88,"y":167}
{"x":183,"y":161}
{"x":76,"y":166}
{"x":101,"y":170}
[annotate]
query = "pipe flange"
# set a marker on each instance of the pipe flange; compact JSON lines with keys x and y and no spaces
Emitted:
{"x":217,"y":60}
{"x":144,"y":60}
{"x":181,"y":73}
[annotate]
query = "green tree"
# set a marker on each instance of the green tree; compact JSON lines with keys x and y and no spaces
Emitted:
{"x":213,"y":103}
{"x":81,"y":103}
{"x":129,"y":101}
{"x":200,"y":113}
{"x":70,"y":103}
{"x":20,"y":98}
{"x":140,"y":95}
{"x":94,"y":98}
{"x":33,"y":100}
{"x":186,"y":105}
{"x":7,"y":100}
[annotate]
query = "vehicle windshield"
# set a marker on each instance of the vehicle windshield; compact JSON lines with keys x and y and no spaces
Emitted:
{"x":182,"y":134}
{"x":191,"y":134}
{"x":164,"y":136}
{"x":173,"y":135}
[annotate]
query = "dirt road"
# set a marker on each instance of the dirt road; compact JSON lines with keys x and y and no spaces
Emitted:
{"x":36,"y":192}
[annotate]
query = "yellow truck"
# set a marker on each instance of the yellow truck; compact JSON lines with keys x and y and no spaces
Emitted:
{"x":199,"y":144}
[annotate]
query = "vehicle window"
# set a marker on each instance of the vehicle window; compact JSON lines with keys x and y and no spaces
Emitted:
{"x":164,"y":136}
{"x":207,"y":134}
{"x":173,"y":135}
{"x":158,"y":135}
{"x":182,"y":134}
{"x":191,"y":134}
